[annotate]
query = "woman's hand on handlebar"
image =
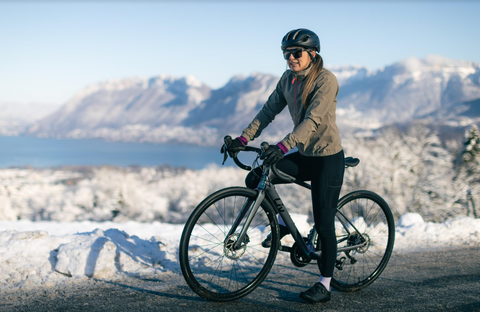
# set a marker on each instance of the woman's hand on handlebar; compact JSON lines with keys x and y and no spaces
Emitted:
{"x":233,"y":147}
{"x":272,"y":155}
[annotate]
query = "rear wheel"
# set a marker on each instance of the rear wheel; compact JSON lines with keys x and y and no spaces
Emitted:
{"x":211,"y":266}
{"x":363,"y":218}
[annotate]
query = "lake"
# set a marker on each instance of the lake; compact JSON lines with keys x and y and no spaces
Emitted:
{"x":47,"y":152}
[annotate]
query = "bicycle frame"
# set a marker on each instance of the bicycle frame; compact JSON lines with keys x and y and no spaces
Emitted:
{"x":266,"y":190}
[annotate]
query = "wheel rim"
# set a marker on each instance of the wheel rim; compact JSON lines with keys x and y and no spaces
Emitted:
{"x":215,"y":268}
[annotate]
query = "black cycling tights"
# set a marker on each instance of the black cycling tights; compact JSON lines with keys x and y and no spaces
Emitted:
{"x":326,"y":176}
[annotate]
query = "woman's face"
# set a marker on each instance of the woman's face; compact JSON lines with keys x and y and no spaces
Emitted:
{"x":300,"y":63}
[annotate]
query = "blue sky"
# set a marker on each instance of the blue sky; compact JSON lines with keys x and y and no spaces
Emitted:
{"x":51,"y":50}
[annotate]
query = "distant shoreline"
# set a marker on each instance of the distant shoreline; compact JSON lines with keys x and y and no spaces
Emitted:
{"x":28,"y":152}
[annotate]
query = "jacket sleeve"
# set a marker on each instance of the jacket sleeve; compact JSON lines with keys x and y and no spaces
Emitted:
{"x":322,"y":108}
{"x":275,"y":104}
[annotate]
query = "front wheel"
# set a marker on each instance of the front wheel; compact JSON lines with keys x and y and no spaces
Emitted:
{"x":363,"y":219}
{"x":210,"y":264}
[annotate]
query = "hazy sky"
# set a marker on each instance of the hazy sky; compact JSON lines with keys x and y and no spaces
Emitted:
{"x":51,"y":50}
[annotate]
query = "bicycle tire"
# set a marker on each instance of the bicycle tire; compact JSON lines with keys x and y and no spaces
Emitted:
{"x":212,"y":269}
{"x":371,"y":216}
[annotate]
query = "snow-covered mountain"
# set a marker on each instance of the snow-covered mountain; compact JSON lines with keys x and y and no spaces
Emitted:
{"x":155,"y":101}
{"x":14,"y":117}
{"x":410,"y":89}
{"x":168,"y":109}
{"x":160,"y":109}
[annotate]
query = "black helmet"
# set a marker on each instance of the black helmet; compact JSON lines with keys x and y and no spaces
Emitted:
{"x":301,"y":38}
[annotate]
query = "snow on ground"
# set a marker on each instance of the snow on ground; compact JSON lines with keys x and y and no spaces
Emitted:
{"x":46,"y":254}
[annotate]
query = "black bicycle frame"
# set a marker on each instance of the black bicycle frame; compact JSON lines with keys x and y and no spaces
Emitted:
{"x":266,"y":190}
{"x":280,"y":209}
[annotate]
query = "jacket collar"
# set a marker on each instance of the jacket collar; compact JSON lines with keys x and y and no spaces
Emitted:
{"x":303,"y":73}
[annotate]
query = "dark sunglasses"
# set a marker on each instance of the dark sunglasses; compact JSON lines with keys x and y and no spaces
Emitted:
{"x":297,"y":53}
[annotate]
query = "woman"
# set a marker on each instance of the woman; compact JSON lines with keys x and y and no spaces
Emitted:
{"x":310,"y":92}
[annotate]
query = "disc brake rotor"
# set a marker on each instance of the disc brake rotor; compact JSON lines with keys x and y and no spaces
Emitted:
{"x":356,"y":239}
{"x":229,"y":251}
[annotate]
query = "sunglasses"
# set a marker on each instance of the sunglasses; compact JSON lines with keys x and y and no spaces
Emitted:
{"x":297,"y":53}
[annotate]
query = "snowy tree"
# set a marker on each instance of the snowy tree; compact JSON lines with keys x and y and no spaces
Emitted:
{"x":411,"y":169}
{"x":431,"y":168}
{"x":382,"y":168}
{"x":395,"y":169}
{"x":468,"y":177}
{"x":471,"y":152}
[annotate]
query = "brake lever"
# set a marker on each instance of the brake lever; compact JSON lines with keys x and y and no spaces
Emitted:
{"x":264,"y":146}
{"x":225,"y":153}
{"x":227,"y":141}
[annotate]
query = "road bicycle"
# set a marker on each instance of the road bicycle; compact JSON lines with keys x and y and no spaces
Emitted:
{"x":221,"y":253}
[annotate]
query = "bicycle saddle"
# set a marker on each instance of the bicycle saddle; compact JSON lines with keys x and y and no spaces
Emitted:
{"x":351,"y":162}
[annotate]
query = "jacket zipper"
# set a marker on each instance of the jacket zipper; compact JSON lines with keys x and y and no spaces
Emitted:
{"x":295,"y":80}
{"x":297,"y":83}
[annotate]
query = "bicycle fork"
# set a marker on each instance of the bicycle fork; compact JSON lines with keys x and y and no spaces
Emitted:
{"x":262,"y":186}
{"x":245,"y":209}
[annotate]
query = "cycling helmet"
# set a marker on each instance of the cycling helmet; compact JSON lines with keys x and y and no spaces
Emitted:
{"x":301,"y":38}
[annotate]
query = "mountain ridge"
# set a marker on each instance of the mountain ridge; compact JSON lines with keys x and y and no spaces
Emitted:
{"x":168,"y":109}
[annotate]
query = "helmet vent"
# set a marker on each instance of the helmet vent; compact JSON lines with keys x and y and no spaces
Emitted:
{"x":296,"y":34}
{"x":288,"y":35}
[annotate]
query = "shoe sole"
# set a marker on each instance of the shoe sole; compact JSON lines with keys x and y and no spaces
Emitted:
{"x":311,"y":300}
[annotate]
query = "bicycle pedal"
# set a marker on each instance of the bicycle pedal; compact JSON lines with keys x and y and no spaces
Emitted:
{"x":285,"y":248}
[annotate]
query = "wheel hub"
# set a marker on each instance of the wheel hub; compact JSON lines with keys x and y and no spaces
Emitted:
{"x":366,"y":239}
{"x":234,"y":253}
{"x":357,"y":239}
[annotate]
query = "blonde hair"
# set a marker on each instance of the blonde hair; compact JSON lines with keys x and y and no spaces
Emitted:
{"x":317,"y":67}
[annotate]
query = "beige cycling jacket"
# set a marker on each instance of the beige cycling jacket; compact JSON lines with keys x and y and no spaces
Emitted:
{"x":315,"y":132}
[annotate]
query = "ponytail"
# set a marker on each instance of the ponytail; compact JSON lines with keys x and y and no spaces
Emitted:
{"x":317,"y":67}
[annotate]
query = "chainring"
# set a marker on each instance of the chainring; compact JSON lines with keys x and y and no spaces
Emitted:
{"x":296,"y":257}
